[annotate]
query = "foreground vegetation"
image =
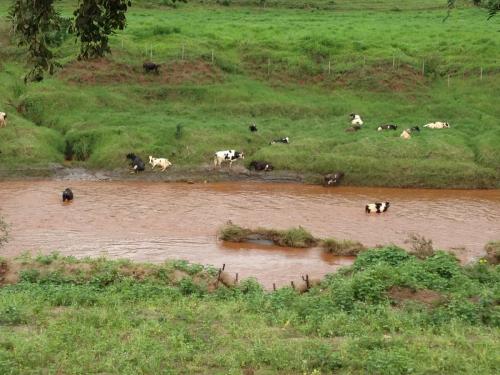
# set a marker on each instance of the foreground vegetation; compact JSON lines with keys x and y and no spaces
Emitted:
{"x":295,"y":72}
{"x":390,"y":313}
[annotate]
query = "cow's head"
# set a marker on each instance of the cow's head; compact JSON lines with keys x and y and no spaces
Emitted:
{"x":239,"y":155}
{"x":446,"y":125}
{"x":352,"y":115}
{"x":150,"y":159}
{"x":131,"y":156}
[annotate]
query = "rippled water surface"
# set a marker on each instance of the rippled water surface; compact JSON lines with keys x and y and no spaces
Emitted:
{"x":155,"y":221}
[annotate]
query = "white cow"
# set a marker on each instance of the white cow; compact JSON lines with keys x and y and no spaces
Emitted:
{"x":356,"y":119}
{"x":437,"y":125}
{"x":162,"y":162}
{"x":3,"y":119}
{"x":227,"y":155}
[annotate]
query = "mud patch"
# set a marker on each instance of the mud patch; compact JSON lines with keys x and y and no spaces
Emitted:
{"x":105,"y":71}
{"x":400,"y":295}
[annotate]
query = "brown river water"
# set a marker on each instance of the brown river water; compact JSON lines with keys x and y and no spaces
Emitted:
{"x":156,"y":221}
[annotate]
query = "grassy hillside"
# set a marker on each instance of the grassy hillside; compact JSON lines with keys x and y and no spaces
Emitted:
{"x":295,"y":72}
{"x":390,"y":313}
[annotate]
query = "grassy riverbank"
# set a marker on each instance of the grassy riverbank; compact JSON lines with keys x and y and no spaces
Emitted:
{"x":295,"y":72}
{"x":390,"y":313}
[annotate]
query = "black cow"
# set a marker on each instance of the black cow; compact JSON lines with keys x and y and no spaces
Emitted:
{"x":415,"y":129}
{"x":333,"y":178}
{"x":135,"y":162}
{"x":67,"y":195}
{"x":253,"y":128}
{"x":261,"y":166}
{"x":149,"y":67}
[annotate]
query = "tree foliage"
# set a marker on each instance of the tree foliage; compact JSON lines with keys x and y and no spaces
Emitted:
{"x":31,"y":21}
{"x":95,"y":21}
{"x":493,"y":6}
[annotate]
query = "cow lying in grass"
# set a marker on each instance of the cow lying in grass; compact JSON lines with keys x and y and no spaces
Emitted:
{"x":3,"y":119}
{"x":261,"y":166}
{"x":285,"y":140}
{"x":376,"y":207}
{"x":136,"y":163}
{"x":228,"y":155}
{"x":162,"y":162}
{"x":387,"y":127}
{"x":253,"y":128}
{"x":333,"y":179}
{"x":356,"y":119}
{"x":437,"y":125}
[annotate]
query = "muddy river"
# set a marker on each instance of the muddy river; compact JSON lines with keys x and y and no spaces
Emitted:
{"x":156,"y":221}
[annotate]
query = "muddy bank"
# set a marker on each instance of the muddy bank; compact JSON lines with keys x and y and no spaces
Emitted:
{"x":153,"y":222}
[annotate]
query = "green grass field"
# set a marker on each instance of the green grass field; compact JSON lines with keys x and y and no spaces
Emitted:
{"x":390,"y":313}
{"x":296,"y":72}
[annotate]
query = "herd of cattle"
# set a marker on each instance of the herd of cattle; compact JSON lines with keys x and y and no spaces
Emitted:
{"x":230,"y":156}
{"x":357,"y":122}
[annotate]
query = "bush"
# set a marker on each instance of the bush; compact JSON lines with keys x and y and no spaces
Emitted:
{"x":12,"y":315}
{"x":420,"y":246}
{"x":233,"y":233}
{"x":492,"y":252}
{"x":392,"y":255}
{"x":345,"y":247}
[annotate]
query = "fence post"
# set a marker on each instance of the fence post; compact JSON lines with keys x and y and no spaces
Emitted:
{"x":182,"y":55}
{"x":448,"y":80}
{"x":212,"y":57}
{"x":268,"y":66}
{"x":481,"y":73}
{"x":151,"y":51}
{"x":329,"y":67}
{"x":423,"y":67}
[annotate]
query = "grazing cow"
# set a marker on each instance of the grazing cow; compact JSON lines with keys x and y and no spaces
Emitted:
{"x":261,"y":166}
{"x":376,"y":207}
{"x":228,"y":155}
{"x":253,"y":128}
{"x":406,"y":134}
{"x":162,"y":162}
{"x":3,"y":119}
{"x":333,"y":178}
{"x":280,"y":140}
{"x":414,"y":129}
{"x":67,"y":195}
{"x":356,"y":119}
{"x":387,"y":127}
{"x":136,"y":163}
{"x":437,"y":125}
{"x":149,"y":67}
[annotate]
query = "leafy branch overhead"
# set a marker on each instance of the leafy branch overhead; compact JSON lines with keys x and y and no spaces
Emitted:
{"x":95,"y":21}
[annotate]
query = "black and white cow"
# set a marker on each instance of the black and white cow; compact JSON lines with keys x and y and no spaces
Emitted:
{"x":67,"y":195}
{"x":377,"y":207}
{"x":356,"y":119}
{"x":228,"y":155}
{"x":387,"y":127}
{"x":261,"y":166}
{"x":136,"y":163}
{"x":414,"y":129}
{"x":253,"y":127}
{"x":437,"y":125}
{"x":333,"y":179}
{"x":285,"y":140}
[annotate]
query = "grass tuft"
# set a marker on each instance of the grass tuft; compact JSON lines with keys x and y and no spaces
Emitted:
{"x":344,"y":247}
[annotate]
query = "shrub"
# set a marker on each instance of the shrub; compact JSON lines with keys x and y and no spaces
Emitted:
{"x":420,"y":246}
{"x":392,"y":255}
{"x":4,"y":234}
{"x":29,"y":275}
{"x":345,"y":247}
{"x":492,"y":249}
{"x":234,"y":233}
{"x":12,"y":315}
